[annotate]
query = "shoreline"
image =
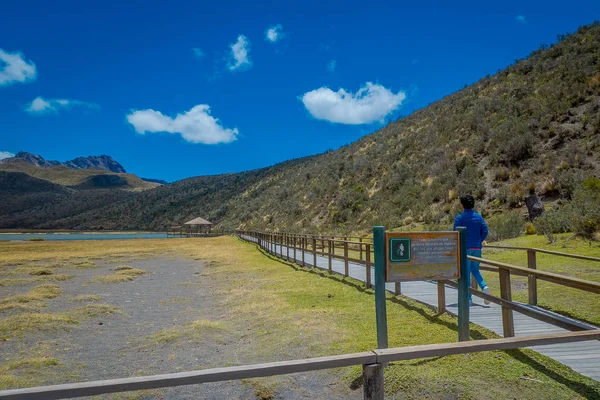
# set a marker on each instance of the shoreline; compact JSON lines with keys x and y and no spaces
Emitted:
{"x":66,"y":232}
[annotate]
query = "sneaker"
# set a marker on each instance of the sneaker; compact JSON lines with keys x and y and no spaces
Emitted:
{"x":487,"y":291}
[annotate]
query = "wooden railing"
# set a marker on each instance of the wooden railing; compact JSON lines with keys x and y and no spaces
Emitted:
{"x":372,"y":363}
{"x":287,"y":246}
{"x":531,"y":264}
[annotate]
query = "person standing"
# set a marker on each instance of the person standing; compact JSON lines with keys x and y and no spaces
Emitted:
{"x":477,"y":231}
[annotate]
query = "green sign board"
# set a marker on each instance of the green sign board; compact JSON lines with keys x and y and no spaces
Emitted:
{"x":399,"y":249}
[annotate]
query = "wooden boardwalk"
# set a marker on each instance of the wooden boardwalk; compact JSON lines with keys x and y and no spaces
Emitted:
{"x":583,"y":357}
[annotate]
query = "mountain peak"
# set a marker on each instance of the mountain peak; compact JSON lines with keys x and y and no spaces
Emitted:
{"x":91,"y":162}
{"x":96,"y":162}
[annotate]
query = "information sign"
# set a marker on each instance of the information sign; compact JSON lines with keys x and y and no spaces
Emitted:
{"x":422,"y":255}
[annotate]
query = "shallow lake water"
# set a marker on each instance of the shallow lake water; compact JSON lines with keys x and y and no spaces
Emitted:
{"x":82,"y":236}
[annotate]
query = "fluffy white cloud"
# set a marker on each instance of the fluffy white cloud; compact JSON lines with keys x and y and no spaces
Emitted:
{"x":240,"y":57}
{"x":14,"y":68}
{"x":5,"y":154}
{"x":371,"y":103}
{"x":520,"y":18}
{"x":195,"y":125}
{"x":274,"y":33}
{"x":331,"y":65}
{"x":39,"y":105}
{"x":198,"y":53}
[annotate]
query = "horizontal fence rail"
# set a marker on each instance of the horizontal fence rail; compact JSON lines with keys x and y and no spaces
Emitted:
{"x":374,"y":390}
{"x":361,"y":253}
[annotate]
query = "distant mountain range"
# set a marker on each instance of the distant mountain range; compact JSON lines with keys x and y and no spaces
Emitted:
{"x":102,"y":162}
{"x":91,"y":162}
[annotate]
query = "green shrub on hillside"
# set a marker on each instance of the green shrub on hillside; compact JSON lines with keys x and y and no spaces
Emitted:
{"x":554,"y":221}
{"x":586,"y":208}
{"x":505,"y":226}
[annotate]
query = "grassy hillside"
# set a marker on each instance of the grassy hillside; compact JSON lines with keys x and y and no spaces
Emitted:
{"x":77,"y":177}
{"x":533,"y":126}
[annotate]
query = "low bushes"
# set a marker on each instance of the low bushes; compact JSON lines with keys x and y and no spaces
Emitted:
{"x":505,"y":226}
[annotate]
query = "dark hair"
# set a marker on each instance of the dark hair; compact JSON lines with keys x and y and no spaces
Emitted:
{"x":467,"y":201}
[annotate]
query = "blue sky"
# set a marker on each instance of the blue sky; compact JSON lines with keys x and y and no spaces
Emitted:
{"x":177,"y":89}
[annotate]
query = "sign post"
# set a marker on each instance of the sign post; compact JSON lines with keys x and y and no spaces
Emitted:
{"x":463,"y":289}
{"x":380,"y":308}
{"x":411,"y":256}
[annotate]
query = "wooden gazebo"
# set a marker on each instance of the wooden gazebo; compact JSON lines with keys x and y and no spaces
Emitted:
{"x":197,"y":226}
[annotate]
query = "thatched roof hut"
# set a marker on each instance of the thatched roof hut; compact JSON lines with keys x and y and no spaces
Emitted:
{"x":199,"y":221}
{"x":198,"y":225}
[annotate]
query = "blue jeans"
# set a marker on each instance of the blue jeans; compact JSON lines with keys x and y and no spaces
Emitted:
{"x":474,"y":268}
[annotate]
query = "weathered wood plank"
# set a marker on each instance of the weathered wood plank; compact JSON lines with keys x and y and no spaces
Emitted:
{"x":187,"y":378}
{"x":582,"y":284}
{"x":446,"y":349}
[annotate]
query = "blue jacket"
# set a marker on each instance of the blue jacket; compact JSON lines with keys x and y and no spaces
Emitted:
{"x":477,"y":229}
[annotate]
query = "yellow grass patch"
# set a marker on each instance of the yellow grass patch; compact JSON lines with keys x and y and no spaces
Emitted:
{"x":32,"y":300}
{"x":46,"y":322}
{"x":193,"y":331}
{"x":27,"y":281}
{"x":121,"y":275}
{"x":87,"y":297}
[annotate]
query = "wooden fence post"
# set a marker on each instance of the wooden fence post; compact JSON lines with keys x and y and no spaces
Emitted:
{"x":360,"y":248}
{"x":295,"y":244}
{"x":346,"y":258}
{"x":397,"y":289}
{"x":441,"y":289}
{"x":373,"y":382}
{"x":508,"y":324}
{"x":368,"y":265}
{"x":330,"y":258}
{"x":302,"y":247}
{"x":532,"y":280}
{"x":314,"y":248}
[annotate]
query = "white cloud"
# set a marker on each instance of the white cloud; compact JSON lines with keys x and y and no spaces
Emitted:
{"x":240,"y":57}
{"x":198,"y":53}
{"x":521,"y":18}
{"x":331,"y":65}
{"x":5,"y":154}
{"x":274,"y":33}
{"x":195,"y":125}
{"x":39,"y":105}
{"x":14,"y":68}
{"x":371,"y":103}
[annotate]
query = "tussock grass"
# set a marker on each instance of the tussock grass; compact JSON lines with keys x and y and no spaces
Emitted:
{"x":95,"y":310}
{"x":193,"y":331}
{"x":86,"y":297}
{"x":25,"y":372}
{"x":18,"y":325}
{"x":123,"y":268}
{"x":121,"y":275}
{"x":31,"y":269}
{"x":41,"y":271}
{"x":32,"y":300}
{"x":27,"y":281}
{"x":39,"y":322}
{"x":263,"y":389}
{"x":84,"y":264}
